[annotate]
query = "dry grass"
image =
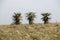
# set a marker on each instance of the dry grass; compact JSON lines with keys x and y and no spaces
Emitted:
{"x":30,"y":32}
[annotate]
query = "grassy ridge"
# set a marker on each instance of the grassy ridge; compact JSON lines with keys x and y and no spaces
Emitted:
{"x":30,"y":32}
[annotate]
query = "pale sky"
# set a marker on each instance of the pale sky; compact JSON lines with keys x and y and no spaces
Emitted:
{"x":8,"y":7}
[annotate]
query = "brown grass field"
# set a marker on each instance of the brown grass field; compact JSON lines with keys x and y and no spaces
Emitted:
{"x":49,"y":31}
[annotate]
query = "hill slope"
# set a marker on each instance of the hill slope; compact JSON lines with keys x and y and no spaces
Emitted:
{"x":30,"y":32}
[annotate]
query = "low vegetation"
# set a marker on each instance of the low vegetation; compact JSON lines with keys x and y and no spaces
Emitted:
{"x":49,"y":31}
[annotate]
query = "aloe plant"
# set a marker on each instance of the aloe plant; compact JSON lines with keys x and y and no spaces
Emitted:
{"x":30,"y":16}
{"x":45,"y":17}
{"x":17,"y":17}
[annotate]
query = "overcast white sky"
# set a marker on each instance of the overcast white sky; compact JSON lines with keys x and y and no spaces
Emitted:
{"x":8,"y":7}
